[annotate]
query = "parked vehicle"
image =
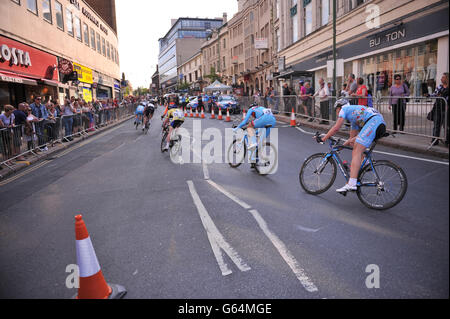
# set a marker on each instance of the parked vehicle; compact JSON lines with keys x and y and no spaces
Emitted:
{"x":228,"y":101}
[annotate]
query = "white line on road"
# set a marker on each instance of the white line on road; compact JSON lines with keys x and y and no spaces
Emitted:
{"x":229,"y":195}
{"x":285,"y":253}
{"x":216,"y":239}
{"x":306,"y":229}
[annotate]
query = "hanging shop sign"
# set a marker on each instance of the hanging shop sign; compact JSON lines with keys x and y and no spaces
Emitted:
{"x":84,"y":73}
{"x":65,"y":66}
{"x":25,"y":60}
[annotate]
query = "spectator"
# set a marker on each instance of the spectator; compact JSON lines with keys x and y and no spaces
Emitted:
{"x":369,"y":98}
{"x":6,"y":135}
{"x":361,"y":93}
{"x":50,"y":123}
{"x":286,"y":94}
{"x":330,"y":89}
{"x":309,"y":101}
{"x":439,"y":111}
{"x":323,"y":95}
{"x":344,"y":92}
{"x":303,"y":97}
{"x":77,"y":117}
{"x":40,"y":111}
{"x":30,"y":131}
{"x":352,"y":87}
{"x":397,"y":103}
{"x":68,"y":111}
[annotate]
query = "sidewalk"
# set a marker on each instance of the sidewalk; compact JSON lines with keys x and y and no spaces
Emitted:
{"x":5,"y":172}
{"x":405,"y":142}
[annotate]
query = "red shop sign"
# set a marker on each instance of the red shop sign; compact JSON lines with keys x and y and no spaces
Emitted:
{"x":25,"y":60}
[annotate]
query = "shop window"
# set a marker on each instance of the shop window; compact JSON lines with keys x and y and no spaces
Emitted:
{"x":47,"y":10}
{"x":32,"y":6}
{"x":69,"y":22}
{"x":59,"y":15}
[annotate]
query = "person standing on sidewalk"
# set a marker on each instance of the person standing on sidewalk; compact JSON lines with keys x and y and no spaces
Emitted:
{"x":286,"y":93}
{"x":40,"y":111}
{"x":361,"y":93}
{"x":440,"y":111}
{"x":352,"y":87}
{"x":323,"y":94}
{"x":67,"y":112}
{"x":397,"y":102}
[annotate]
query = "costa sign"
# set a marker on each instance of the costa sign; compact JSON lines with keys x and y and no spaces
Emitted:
{"x":15,"y":56}
{"x":22,"y":59}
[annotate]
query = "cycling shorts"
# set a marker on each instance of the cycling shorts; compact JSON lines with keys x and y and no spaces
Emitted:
{"x":149,"y":111}
{"x":176,"y":123}
{"x":368,"y":133}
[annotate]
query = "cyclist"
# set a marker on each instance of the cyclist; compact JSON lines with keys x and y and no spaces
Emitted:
{"x":367,"y":125}
{"x":261,"y":117}
{"x":149,"y":110}
{"x":139,"y":113}
{"x":175,"y":117}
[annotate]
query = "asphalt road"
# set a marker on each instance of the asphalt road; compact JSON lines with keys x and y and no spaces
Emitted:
{"x":167,"y":231}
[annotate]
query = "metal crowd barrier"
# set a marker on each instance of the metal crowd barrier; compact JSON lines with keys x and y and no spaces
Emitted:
{"x":417,"y":116}
{"x":27,"y":140}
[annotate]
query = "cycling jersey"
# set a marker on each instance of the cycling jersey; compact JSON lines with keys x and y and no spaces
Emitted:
{"x":176,"y":117}
{"x":263,"y":117}
{"x":140,"y":109}
{"x":149,"y":109}
{"x":365,"y":119}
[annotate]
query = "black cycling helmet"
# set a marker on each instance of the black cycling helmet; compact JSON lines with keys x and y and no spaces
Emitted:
{"x":341,"y":103}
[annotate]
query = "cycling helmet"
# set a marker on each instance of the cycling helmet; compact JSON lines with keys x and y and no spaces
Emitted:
{"x":341,"y":103}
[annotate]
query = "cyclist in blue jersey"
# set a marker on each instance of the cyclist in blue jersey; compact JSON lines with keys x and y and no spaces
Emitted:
{"x":257,"y":117}
{"x":367,"y":125}
{"x":139,"y":113}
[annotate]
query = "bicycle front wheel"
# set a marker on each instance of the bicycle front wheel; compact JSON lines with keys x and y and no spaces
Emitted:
{"x":163,"y":142}
{"x":318,"y":174}
{"x":236,"y":153}
{"x":382,"y":190}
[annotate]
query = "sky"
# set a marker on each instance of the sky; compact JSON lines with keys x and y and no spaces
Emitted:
{"x":140,"y":23}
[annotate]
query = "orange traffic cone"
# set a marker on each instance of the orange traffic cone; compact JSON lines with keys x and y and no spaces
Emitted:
{"x":220,"y":118}
{"x":203,"y":113}
{"x":293,"y":120}
{"x":185,"y":113}
{"x":213,"y":116}
{"x":92,"y":282}
{"x":196,"y":112}
{"x":228,"y":118}
{"x":191,"y":115}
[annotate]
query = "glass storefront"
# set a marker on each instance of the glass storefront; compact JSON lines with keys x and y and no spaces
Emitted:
{"x":416,"y":64}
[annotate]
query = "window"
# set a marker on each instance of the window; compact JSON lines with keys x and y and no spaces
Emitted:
{"x":59,"y":15}
{"x":47,"y":10}
{"x":69,"y":22}
{"x":112,"y":54}
{"x":325,"y":11}
{"x":108,"y":50}
{"x":32,"y":6}
{"x":308,"y":18}
{"x":224,"y":43}
{"x":86,"y":34}
{"x":92,"y":39}
{"x":77,"y":24}
{"x":99,"y":48}
{"x":103,"y":46}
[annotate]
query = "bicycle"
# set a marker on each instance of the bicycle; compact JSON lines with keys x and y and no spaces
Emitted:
{"x":264,"y":164}
{"x":147,"y":126}
{"x":373,"y":184}
{"x":174,"y":144}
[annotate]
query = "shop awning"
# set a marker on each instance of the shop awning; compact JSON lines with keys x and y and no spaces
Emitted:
{"x":7,"y":77}
{"x":50,"y":82}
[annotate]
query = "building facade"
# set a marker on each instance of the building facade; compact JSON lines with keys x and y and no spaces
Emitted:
{"x":376,"y":39}
{"x":181,"y":42}
{"x":59,"y":38}
{"x":190,"y":73}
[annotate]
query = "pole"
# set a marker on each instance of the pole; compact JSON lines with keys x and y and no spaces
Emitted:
{"x":334,"y":46}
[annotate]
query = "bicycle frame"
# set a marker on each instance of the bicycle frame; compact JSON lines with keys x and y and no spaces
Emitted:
{"x":334,"y":153}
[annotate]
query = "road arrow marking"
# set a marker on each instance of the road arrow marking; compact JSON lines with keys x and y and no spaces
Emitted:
{"x":217,"y":241}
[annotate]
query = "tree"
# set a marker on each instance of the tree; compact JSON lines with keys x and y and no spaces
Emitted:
{"x":184,"y":86}
{"x":213,"y":76}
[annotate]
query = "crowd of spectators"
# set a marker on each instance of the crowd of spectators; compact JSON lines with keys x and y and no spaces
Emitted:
{"x":40,"y":125}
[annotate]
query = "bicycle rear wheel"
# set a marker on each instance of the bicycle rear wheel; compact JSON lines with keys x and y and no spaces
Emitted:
{"x":164,"y":141}
{"x":318,"y":174}
{"x":385,"y":192}
{"x":268,"y":159}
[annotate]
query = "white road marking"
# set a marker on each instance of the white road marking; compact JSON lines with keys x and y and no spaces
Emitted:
{"x":217,"y":241}
{"x":309,"y":230}
{"x":393,"y":154}
{"x":229,"y":195}
{"x":285,"y":253}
